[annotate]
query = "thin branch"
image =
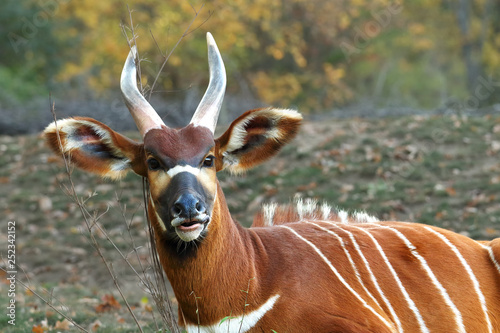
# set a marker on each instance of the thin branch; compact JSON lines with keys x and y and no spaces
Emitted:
{"x":85,"y":215}
{"x":145,"y":281}
{"x":186,"y":32}
{"x":246,"y":304}
{"x":160,"y":295}
{"x":48,"y":303}
{"x":138,"y":65}
{"x":156,"y":43}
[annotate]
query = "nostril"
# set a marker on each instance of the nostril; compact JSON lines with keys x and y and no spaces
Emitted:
{"x":200,"y":207}
{"x":187,"y":206}
{"x":177,"y":209}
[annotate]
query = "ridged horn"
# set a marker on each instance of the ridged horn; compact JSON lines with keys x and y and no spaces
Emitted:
{"x":144,"y":115}
{"x":207,"y":112}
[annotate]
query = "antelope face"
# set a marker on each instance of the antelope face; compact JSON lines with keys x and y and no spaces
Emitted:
{"x":180,"y":164}
{"x":182,"y":177}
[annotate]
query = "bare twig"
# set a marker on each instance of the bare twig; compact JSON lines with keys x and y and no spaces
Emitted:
{"x":246,"y":304}
{"x":146,"y":281}
{"x":89,"y":224}
{"x":48,"y":302}
{"x":160,"y":294}
{"x":166,"y":58}
{"x":134,"y":37}
{"x":197,"y":308}
{"x":155,"y":285}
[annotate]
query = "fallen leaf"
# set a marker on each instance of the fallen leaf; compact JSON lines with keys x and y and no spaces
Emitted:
{"x":346,"y":188}
{"x":37,"y":329}
{"x":95,"y":325}
{"x":440,"y":215}
{"x":45,"y":204}
{"x":495,"y":146}
{"x":63,"y":325}
{"x":491,"y":231}
{"x":451,"y":191}
{"x":307,"y":187}
{"x":109,"y":303}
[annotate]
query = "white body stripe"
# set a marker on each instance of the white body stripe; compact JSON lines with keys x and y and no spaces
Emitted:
{"x":182,"y":168}
{"x":472,"y":277}
{"x":351,"y":261}
{"x":430,"y":274}
{"x":246,"y":321}
{"x":344,"y":282}
{"x":373,"y":277}
{"x":492,"y":256}
{"x":411,"y":303}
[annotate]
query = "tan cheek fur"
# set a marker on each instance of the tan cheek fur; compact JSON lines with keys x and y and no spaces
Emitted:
{"x":158,"y":183}
{"x":208,"y":179}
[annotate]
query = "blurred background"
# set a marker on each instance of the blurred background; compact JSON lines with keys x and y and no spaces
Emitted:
{"x":401,"y":101}
{"x":324,"y":57}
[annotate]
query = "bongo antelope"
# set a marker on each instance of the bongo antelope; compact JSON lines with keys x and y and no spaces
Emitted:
{"x":297,"y":269}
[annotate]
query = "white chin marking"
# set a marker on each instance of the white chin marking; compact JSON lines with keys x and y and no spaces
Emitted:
{"x":191,"y":234}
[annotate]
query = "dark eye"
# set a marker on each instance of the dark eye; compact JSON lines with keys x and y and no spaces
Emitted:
{"x":153,"y":164}
{"x":209,"y":161}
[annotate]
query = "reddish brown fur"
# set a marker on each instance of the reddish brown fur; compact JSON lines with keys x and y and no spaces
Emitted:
{"x":188,"y":144}
{"x":284,"y":214}
{"x":274,"y":260}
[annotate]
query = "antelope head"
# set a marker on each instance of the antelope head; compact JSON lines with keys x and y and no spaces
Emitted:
{"x":180,"y":164}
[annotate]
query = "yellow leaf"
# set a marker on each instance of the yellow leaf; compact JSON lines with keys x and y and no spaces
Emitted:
{"x":63,"y":325}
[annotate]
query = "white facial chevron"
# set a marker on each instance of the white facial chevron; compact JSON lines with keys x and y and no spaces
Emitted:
{"x":183,"y":168}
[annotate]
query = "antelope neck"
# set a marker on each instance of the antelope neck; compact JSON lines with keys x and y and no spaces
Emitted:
{"x":224,"y":258}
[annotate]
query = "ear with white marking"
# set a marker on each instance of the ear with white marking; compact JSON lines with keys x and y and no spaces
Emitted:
{"x":254,"y":137}
{"x":94,"y":147}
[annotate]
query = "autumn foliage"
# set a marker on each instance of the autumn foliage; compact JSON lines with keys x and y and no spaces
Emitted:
{"x":313,"y":54}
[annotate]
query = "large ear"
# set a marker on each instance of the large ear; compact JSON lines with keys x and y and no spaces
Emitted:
{"x":94,"y":147}
{"x":254,"y":137}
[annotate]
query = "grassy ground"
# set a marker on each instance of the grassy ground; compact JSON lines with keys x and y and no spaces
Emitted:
{"x":442,"y":171}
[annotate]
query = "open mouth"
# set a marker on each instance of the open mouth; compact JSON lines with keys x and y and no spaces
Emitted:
{"x":190,"y":229}
{"x":190,"y":225}
{"x":187,"y":225}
